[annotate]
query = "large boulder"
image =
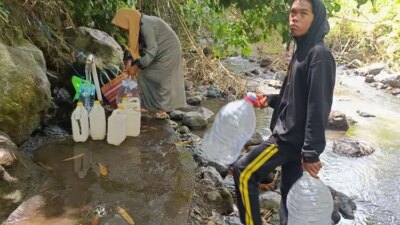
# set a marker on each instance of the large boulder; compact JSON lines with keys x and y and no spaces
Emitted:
{"x":352,"y":147}
{"x":389,"y":78}
{"x":99,"y":43}
{"x":24,"y":90}
{"x":338,"y":121}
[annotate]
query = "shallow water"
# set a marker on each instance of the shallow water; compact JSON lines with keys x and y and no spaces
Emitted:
{"x":147,"y":176}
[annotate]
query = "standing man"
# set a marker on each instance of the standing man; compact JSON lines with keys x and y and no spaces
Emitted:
{"x":300,"y":116}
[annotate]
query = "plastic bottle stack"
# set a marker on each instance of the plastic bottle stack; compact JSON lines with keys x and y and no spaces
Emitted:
{"x":309,"y":202}
{"x":232,"y":128}
{"x":116,"y":132}
{"x":97,"y":119}
{"x":80,"y":123}
{"x":132,"y":110}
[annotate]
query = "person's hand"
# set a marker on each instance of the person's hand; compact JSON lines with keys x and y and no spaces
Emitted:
{"x":261,"y":101}
{"x":132,"y":70}
{"x":312,"y":168}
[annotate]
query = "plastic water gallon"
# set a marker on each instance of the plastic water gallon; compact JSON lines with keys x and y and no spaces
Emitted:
{"x":132,"y":110}
{"x":309,"y":202}
{"x":80,"y":123}
{"x":116,"y":132}
{"x":97,"y":119}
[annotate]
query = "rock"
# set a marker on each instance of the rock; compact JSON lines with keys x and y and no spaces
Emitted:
{"x":338,"y":121}
{"x":232,"y":220}
{"x":195,"y":100}
{"x":255,"y":139}
{"x":388,"y":78}
{"x":266,"y":62}
{"x":194,"y":121}
{"x":26,"y":210}
{"x":372,"y":69}
{"x":176,"y":115}
{"x":201,"y":89}
{"x":205,"y":112}
{"x":395,"y":91}
{"x":25,"y":90}
{"x":275,"y":83}
{"x":188,"y":85}
{"x":183,"y":130}
{"x":6,"y":156}
{"x":229,"y":183}
{"x":369,"y":79}
{"x":213,"y":92}
{"x":173,"y":124}
{"x":346,"y":206}
{"x":249,"y":74}
{"x":270,"y":200}
{"x":222,"y":169}
{"x":351,"y":147}
{"x":356,"y":63}
{"x":280,"y":75}
{"x":207,"y":51}
{"x":374,"y":85}
{"x":364,"y":114}
{"x":256,"y":72}
{"x":99,"y":43}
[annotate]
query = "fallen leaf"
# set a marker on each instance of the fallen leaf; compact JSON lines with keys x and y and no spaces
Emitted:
{"x":125,"y":215}
{"x":95,"y":219}
{"x":73,"y":157}
{"x":45,"y":166}
{"x":102,"y":169}
{"x":183,"y":143}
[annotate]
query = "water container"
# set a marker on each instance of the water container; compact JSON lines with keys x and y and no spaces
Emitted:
{"x":232,"y":128}
{"x":80,"y":123}
{"x":87,"y":95}
{"x":132,"y":110}
{"x":309,"y":202}
{"x":116,"y":132}
{"x":97,"y":119}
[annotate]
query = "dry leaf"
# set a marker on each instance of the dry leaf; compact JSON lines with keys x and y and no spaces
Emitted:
{"x":47,"y":167}
{"x":95,"y":219}
{"x":183,"y":143}
{"x":74,"y":157}
{"x":125,"y":215}
{"x":103,"y":170}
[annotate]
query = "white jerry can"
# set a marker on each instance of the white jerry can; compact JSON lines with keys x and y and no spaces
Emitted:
{"x":97,"y":119}
{"x":80,"y":123}
{"x":116,"y":132}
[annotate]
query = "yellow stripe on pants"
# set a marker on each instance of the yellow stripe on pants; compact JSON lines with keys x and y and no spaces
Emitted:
{"x":245,"y":176}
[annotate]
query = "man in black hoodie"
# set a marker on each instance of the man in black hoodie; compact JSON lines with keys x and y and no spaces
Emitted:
{"x":300,"y":116}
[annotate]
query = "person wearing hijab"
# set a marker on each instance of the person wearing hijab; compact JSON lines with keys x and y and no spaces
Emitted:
{"x":156,"y":55}
{"x":300,"y":116}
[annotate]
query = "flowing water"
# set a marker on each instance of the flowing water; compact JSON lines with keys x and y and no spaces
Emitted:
{"x":373,"y":181}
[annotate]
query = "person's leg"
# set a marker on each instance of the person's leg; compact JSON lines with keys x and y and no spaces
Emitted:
{"x":248,"y":171}
{"x":291,"y":172}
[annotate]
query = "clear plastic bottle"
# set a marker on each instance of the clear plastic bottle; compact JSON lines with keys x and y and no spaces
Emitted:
{"x":309,"y":202}
{"x":232,"y":128}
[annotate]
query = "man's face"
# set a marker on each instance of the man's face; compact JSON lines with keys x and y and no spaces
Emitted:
{"x":301,"y":17}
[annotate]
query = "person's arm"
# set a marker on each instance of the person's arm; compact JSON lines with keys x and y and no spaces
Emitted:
{"x":273,"y":100}
{"x":150,"y":52}
{"x":321,"y":82}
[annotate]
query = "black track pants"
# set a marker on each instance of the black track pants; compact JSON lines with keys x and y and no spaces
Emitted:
{"x":255,"y":166}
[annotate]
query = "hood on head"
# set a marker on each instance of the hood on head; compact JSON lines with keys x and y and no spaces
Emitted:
{"x":318,"y":29}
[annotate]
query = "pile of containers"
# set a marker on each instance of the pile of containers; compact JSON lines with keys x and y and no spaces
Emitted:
{"x":124,"y":121}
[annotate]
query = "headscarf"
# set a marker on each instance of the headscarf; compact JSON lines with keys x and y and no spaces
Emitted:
{"x":317,"y":31}
{"x":129,"y":19}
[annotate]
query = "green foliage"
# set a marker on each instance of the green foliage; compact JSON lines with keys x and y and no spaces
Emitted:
{"x":4,"y":12}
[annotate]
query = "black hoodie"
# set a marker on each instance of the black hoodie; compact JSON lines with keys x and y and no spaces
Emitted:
{"x":302,"y":108}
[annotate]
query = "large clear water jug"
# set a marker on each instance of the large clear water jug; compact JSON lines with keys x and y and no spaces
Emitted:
{"x":116,"y":131}
{"x":309,"y":202}
{"x":97,"y":119}
{"x":233,"y":126}
{"x":80,"y":123}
